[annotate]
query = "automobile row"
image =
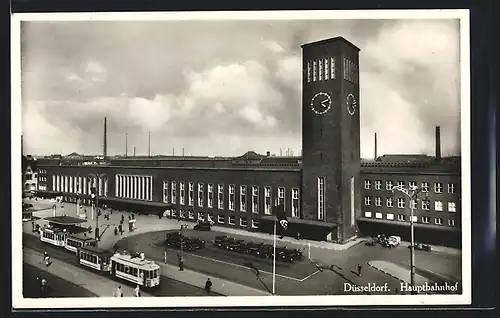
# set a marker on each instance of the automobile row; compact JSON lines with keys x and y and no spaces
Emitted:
{"x":259,"y":250}
{"x":177,"y":240}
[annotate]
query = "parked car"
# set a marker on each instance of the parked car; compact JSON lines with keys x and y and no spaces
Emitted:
{"x":220,"y":241}
{"x":195,"y":243}
{"x":235,"y":245}
{"x":422,"y":247}
{"x":203,"y":226}
{"x":252,"y":248}
{"x":393,"y":241}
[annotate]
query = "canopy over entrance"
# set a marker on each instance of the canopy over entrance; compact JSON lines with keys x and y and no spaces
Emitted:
{"x":138,"y":206}
{"x":308,"y":229}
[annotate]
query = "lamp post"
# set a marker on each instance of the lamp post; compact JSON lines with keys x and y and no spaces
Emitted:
{"x":183,"y":226}
{"x":412,"y":193}
{"x":95,"y":195}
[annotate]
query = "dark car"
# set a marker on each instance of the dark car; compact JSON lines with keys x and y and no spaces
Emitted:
{"x":196,"y":243}
{"x":266,"y":251}
{"x":220,"y":241}
{"x":252,"y":248}
{"x":203,"y":226}
{"x":173,"y":236}
{"x":421,"y":247}
{"x":235,"y":245}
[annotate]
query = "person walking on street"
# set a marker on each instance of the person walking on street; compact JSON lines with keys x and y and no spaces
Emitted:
{"x":118,"y":292}
{"x":208,"y":286}
{"x":360,"y":268}
{"x":137,"y":291}
{"x":46,"y":258}
{"x":181,"y":262}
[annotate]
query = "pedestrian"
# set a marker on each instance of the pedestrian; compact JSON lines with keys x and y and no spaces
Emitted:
{"x":118,"y":292}
{"x":359,"y":269}
{"x":116,"y":231}
{"x":208,"y":286}
{"x":397,"y":291}
{"x":137,"y":291}
{"x":43,"y":287}
{"x":181,"y":262}
{"x":133,"y":216}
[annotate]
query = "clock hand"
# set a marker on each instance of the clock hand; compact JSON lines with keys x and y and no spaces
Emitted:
{"x":323,"y":103}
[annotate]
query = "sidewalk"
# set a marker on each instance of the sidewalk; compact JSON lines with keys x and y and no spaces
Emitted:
{"x":97,"y":284}
{"x":398,"y":272}
{"x":219,"y":285}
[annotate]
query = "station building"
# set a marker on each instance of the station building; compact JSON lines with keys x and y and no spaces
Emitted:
{"x":329,"y":193}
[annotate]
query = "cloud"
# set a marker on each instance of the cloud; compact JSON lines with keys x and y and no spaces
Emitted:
{"x":221,"y":88}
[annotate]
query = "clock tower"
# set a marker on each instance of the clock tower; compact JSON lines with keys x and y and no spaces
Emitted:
{"x":331,"y":135}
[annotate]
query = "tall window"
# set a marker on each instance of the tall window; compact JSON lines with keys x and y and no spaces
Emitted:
{"x":451,"y":188}
{"x":165,"y":191}
{"x":332,"y":68}
{"x":243,"y":198}
{"x":309,"y":72}
{"x":321,"y":198}
{"x":314,"y":71}
{"x":173,"y":195}
{"x":401,"y":183}
{"x":389,"y":185}
{"x":368,"y":200}
{"x":191,"y":193}
{"x":413,"y":204}
{"x":425,"y":186}
{"x":327,"y":70}
{"x":378,"y":185}
{"x":220,"y":193}
{"x":281,"y":196}
{"x":426,"y":205}
{"x":201,"y":198}
{"x":182,"y":193}
{"x":438,"y":187}
{"x":412,"y":185}
{"x":368,"y":184}
{"x":378,"y":201}
{"x":255,"y":199}
{"x":452,"y":207}
{"x":231,"y":197}
{"x":438,"y":205}
{"x":401,"y":203}
{"x":267,"y":200}
{"x":210,"y":202}
{"x":320,"y":69}
{"x":295,"y":203}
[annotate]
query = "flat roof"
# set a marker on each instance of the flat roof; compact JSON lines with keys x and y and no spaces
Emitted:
{"x":97,"y":250}
{"x":145,"y":264}
{"x":64,"y":220}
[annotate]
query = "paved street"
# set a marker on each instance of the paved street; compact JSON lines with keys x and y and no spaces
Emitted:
{"x":297,"y":279}
{"x":58,"y":287}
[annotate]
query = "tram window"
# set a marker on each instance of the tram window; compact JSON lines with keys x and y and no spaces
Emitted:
{"x":94,"y":259}
{"x":126,"y":269}
{"x":134,"y":272}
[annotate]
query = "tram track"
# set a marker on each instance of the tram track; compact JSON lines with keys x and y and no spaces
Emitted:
{"x":168,"y":287}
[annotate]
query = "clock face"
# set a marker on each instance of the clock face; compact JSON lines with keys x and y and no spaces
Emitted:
{"x":351,"y":104}
{"x":321,"y":103}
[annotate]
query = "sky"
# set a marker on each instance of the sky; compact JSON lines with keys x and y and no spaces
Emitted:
{"x":222,"y":88}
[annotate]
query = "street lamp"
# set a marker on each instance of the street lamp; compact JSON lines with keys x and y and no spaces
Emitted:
{"x":411,"y":193}
{"x":95,"y":195}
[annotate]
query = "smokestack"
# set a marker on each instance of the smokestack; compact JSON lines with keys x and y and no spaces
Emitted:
{"x":105,"y":142}
{"x":268,"y":153}
{"x":281,"y":154}
{"x":126,"y":145}
{"x":134,"y":151}
{"x":149,"y":144}
{"x":183,"y":152}
{"x":376,"y":154}
{"x":173,"y":152}
{"x":438,"y":142}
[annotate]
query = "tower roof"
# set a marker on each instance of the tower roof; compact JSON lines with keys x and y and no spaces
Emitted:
{"x":335,"y":39}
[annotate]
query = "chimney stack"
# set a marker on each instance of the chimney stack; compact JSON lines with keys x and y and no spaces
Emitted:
{"x":126,"y":145}
{"x":149,"y":144}
{"x":105,"y":143}
{"x":173,"y":152}
{"x":376,"y":154}
{"x":134,"y":151}
{"x":438,"y":142}
{"x":268,"y":153}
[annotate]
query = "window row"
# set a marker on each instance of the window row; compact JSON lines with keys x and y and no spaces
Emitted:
{"x":403,"y":218}
{"x":350,"y":71}
{"x":134,"y":187}
{"x":220,"y":219}
{"x":401,"y":203}
{"x":42,"y":171}
{"x":321,"y":69}
{"x":42,"y":179}
{"x":215,"y":196}
{"x":389,"y":185}
{"x":79,"y":184}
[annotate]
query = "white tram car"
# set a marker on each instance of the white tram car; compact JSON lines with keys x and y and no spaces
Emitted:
{"x":94,"y":257}
{"x":135,"y":269}
{"x":54,"y":236}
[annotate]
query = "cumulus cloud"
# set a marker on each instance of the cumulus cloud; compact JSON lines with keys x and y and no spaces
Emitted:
{"x":223,"y":88}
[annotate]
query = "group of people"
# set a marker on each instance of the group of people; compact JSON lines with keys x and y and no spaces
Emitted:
{"x":119,"y":293}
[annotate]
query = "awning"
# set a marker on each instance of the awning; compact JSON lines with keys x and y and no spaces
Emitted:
{"x":302,"y":221}
{"x":136,"y":202}
{"x":407,"y":224}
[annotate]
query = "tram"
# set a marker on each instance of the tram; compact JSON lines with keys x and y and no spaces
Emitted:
{"x":53,"y":235}
{"x":135,"y":269}
{"x":78,"y":240}
{"x":94,"y":257}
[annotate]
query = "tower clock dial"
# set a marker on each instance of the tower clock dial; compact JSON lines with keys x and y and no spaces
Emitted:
{"x":321,"y":103}
{"x":351,"y":104}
